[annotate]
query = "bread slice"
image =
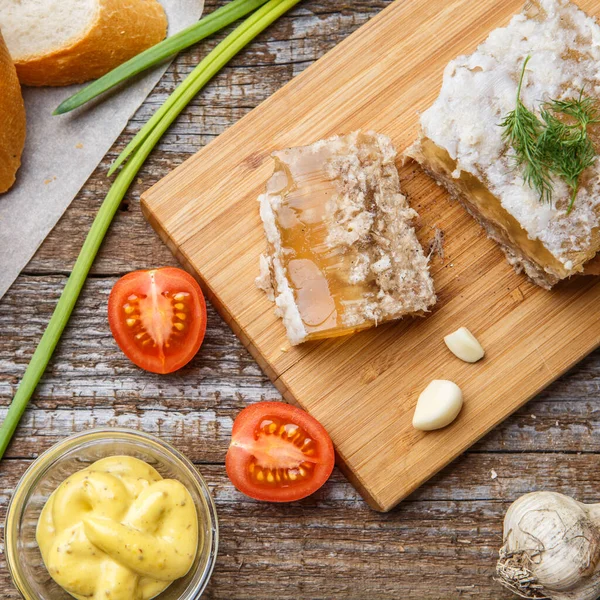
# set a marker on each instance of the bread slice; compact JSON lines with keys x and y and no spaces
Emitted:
{"x":71,"y":41}
{"x":462,"y":148}
{"x":342,"y":252}
{"x":12,"y":120}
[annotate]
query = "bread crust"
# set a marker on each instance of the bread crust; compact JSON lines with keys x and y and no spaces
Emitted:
{"x":12,"y":120}
{"x":122,"y":29}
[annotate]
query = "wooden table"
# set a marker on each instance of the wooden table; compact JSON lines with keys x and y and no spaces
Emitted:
{"x":439,"y":543}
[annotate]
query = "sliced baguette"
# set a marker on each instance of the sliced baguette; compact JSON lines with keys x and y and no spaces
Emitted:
{"x":12,"y":120}
{"x":61,"y":42}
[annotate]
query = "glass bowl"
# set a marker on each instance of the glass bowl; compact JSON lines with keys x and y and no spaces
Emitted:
{"x":75,"y":453}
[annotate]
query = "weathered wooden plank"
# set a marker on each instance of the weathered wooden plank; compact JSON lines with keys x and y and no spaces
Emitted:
{"x":90,"y":383}
{"x":202,"y":429}
{"x":330,"y":546}
{"x":442,"y":538}
{"x":468,"y":479}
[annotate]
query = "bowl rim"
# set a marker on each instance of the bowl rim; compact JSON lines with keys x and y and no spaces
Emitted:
{"x":38,"y":467}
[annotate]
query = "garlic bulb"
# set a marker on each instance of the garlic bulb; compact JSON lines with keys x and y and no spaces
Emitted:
{"x":551,"y":548}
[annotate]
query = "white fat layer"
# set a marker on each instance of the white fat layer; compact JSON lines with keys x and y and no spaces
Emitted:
{"x":284,"y":300}
{"x":263,"y":281}
{"x":480,"y":89}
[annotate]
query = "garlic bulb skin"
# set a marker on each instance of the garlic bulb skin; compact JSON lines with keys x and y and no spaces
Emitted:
{"x":551,"y":548}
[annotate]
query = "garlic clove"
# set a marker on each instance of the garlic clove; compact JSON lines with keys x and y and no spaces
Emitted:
{"x":464,"y":345}
{"x":438,"y":405}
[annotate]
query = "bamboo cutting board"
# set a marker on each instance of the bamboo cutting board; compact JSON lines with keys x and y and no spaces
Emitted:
{"x":363,"y":388}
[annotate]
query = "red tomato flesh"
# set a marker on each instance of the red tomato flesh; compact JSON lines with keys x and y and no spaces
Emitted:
{"x":158,"y":318}
{"x":278,"y":453}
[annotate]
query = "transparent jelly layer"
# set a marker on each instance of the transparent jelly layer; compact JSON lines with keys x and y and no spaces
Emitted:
{"x":339,"y":233}
{"x":319,"y":273}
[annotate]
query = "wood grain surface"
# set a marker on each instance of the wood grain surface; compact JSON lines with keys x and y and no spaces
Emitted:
{"x":439,"y":544}
{"x":363,"y":388}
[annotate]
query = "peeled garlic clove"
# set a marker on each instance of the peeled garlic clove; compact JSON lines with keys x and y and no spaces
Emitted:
{"x":438,"y":405}
{"x":464,"y":345}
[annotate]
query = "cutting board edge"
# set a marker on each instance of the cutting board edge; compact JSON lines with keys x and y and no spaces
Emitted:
{"x":459,"y":452}
{"x":337,"y":49}
{"x":269,"y":371}
{"x":214,"y":299}
{"x":160,"y":199}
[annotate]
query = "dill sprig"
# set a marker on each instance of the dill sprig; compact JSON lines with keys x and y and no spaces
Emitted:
{"x":556,"y":143}
{"x":522,"y":130}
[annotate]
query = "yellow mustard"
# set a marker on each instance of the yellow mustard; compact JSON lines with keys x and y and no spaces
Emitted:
{"x":118,"y":531}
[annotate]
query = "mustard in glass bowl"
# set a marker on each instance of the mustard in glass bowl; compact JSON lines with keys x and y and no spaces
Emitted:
{"x":71,"y":460}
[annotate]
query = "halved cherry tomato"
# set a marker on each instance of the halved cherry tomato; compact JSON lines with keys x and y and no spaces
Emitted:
{"x":278,"y":453}
{"x":158,"y":318}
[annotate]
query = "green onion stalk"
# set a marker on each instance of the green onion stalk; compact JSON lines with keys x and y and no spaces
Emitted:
{"x":133,"y":157}
{"x":215,"y":21}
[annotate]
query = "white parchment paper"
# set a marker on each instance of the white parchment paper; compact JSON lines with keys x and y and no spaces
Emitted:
{"x":61,"y":152}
